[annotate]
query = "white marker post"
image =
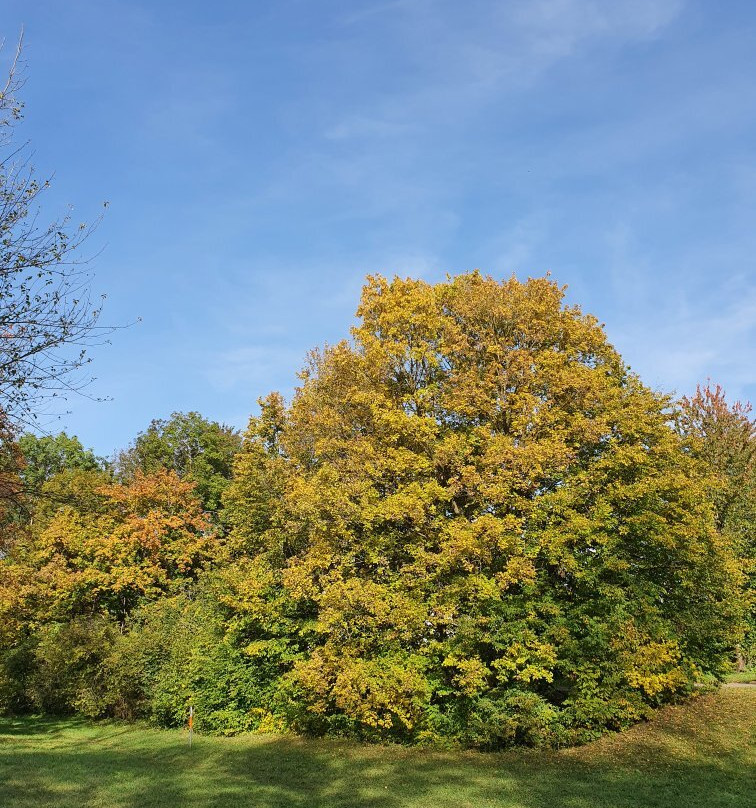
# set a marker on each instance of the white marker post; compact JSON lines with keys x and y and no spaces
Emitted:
{"x":191,"y":724}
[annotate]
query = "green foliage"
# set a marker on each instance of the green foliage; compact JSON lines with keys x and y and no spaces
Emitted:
{"x":198,"y":450}
{"x":68,"y":665}
{"x":17,"y":663}
{"x":49,"y":455}
{"x":77,"y":490}
{"x":175,"y":655}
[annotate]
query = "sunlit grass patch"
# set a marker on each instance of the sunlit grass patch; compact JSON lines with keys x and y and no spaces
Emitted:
{"x":699,"y":754}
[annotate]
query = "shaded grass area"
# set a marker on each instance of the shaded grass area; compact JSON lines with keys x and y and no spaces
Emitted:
{"x":697,"y":754}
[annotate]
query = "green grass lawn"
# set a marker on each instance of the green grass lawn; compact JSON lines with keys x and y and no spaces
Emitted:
{"x":742,"y":677}
{"x":698,"y":754}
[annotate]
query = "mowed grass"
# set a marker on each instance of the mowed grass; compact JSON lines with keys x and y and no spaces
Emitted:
{"x":697,"y":754}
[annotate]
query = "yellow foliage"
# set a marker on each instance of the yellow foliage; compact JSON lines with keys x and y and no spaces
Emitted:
{"x":462,"y":505}
{"x":124,"y":543}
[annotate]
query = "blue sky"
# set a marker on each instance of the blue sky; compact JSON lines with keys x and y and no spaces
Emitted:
{"x":260,"y":158}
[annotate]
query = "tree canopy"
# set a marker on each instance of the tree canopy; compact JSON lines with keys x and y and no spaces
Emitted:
{"x":195,"y":448}
{"x":471,"y":525}
{"x":723,"y":436}
{"x":47,"y":455}
{"x":474,"y":522}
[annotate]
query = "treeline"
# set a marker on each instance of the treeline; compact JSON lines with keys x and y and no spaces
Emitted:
{"x":472,"y":525}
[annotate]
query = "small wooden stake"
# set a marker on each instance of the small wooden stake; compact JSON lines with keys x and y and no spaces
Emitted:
{"x":191,"y":724}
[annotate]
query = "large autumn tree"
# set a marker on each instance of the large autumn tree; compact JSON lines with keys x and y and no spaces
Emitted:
{"x":474,"y":523}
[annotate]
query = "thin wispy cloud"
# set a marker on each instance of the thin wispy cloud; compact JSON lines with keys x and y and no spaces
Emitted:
{"x":678,"y":343}
{"x":458,"y":58}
